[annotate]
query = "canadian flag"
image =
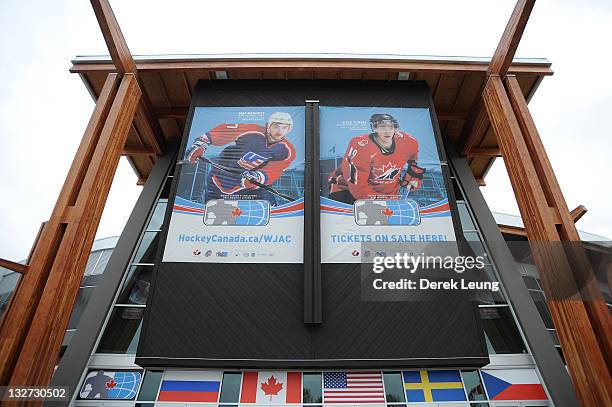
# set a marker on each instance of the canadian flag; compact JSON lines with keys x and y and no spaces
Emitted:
{"x":265,"y":387}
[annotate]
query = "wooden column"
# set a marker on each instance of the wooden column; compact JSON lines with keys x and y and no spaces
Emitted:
{"x":566,"y":228}
{"x":36,"y":321}
{"x":584,"y":357}
{"x":25,"y":299}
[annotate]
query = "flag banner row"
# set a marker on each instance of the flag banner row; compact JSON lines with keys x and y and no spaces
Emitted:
{"x":266,"y":387}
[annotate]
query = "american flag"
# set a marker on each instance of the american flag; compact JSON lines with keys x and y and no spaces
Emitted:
{"x":353,"y":387}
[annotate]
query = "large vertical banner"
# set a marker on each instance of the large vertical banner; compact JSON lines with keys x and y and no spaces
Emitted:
{"x":381,"y":180}
{"x":240,"y":195}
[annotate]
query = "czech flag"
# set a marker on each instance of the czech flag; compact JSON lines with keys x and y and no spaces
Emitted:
{"x":202,"y":386}
{"x":515,"y":384}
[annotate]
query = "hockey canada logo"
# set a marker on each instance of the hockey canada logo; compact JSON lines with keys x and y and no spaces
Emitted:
{"x":386,"y":172}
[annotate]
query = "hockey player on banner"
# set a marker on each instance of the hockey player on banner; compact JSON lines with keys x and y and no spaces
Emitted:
{"x":248,"y":167}
{"x":372,"y":167}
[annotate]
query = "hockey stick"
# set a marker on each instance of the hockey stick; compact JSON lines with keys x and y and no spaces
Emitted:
{"x":238,"y":172}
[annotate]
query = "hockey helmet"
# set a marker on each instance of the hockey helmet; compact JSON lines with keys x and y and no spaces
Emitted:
{"x":382,"y":118}
{"x":281,"y":118}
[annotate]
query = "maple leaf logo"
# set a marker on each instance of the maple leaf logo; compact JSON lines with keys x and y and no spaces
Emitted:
{"x":271,"y":387}
{"x":387,"y":212}
{"x":111,"y":384}
{"x":236,"y":212}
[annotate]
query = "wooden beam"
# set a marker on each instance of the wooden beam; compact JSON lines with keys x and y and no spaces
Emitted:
{"x":44,"y":338}
{"x":504,"y":54}
{"x":36,"y":239}
{"x":135,"y":150}
{"x":119,"y":51}
{"x":512,"y":230}
{"x":311,"y":64}
{"x":172,"y":112}
{"x":477,"y":122}
{"x":13,"y":266}
{"x":148,"y":125}
{"x":583,"y":354}
{"x":474,"y":128}
{"x":484,"y":152}
{"x":578,"y":212}
{"x":327,"y":65}
{"x":480,"y":181}
{"x":580,"y":264}
{"x":124,"y":63}
{"x":452,"y":116}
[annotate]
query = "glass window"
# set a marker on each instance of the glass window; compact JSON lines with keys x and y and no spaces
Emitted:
{"x":157,"y":219}
{"x":230,"y":390}
{"x":136,"y":287}
{"x":489,"y":296}
{"x":531,"y":283}
{"x":554,"y":337}
{"x":8,"y":282}
{"x":150,"y":385}
{"x":475,"y":243}
{"x":90,"y":280}
{"x":457,"y":190}
{"x":147,"y":249}
{"x":501,"y":333}
{"x":123,"y":330}
{"x":91,"y":262}
{"x":540,"y":303}
{"x":66,"y":341}
{"x":464,"y":216}
{"x":394,"y":387}
{"x":105,"y":256}
{"x":473,"y":386}
{"x":82,"y":299}
{"x":312,"y":388}
{"x":165,"y":192}
{"x":560,"y":351}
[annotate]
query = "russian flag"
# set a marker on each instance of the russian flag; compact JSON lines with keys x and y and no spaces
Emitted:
{"x":202,"y":386}
{"x":513,"y":384}
{"x":266,"y":387}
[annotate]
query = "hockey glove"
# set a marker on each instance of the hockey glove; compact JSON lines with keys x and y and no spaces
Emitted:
{"x":256,"y":176}
{"x":198,"y":149}
{"x":413,"y":177}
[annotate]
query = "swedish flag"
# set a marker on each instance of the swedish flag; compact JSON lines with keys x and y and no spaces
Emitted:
{"x":433,"y":385}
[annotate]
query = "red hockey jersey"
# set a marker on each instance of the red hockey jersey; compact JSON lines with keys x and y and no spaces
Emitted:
{"x":372,"y":171}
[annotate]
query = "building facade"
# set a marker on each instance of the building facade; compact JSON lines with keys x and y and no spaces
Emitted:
{"x":512,"y":378}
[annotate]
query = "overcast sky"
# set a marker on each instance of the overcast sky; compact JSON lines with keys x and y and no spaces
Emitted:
{"x":44,"y":108}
